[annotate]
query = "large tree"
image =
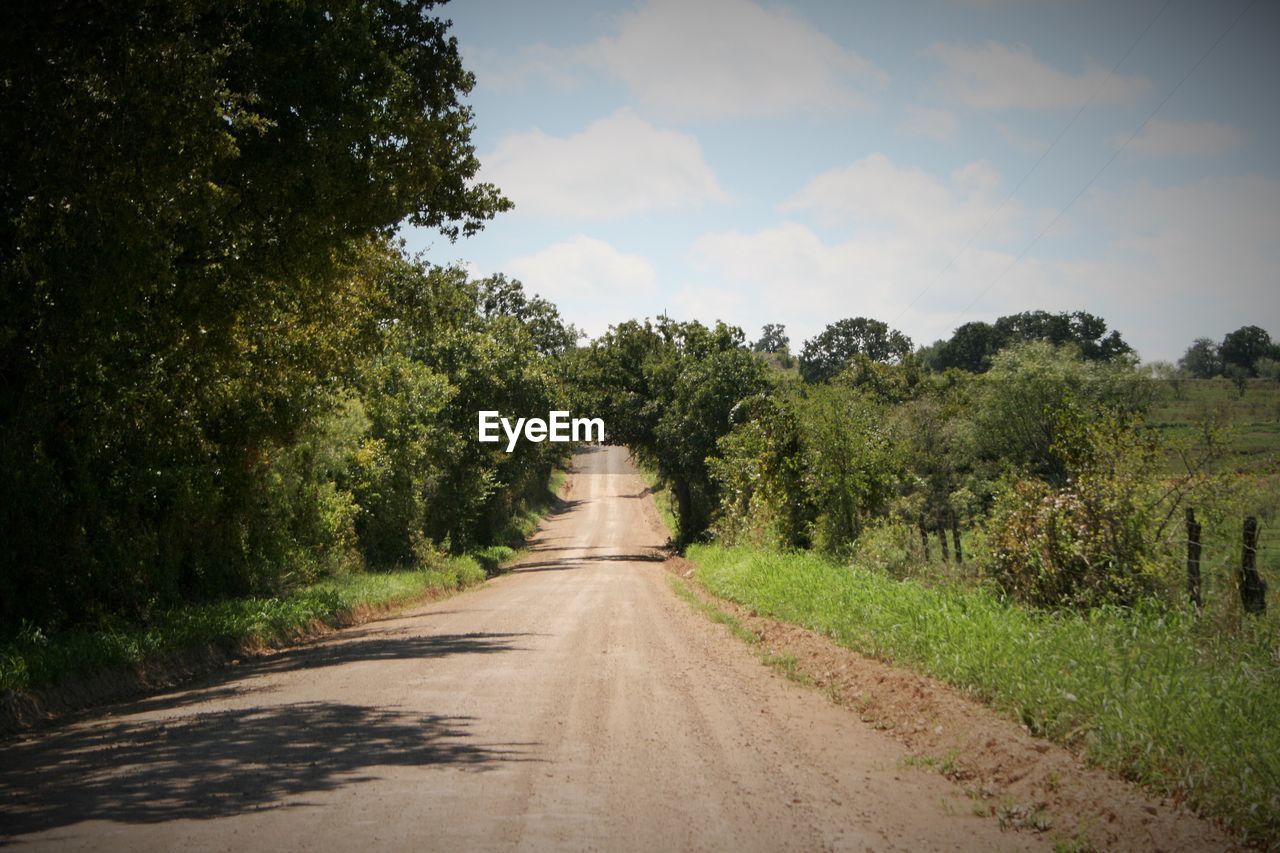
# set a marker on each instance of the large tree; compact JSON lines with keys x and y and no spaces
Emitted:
{"x":773,"y":339}
{"x":1202,"y":359}
{"x":186,"y":189}
{"x":1243,"y":347}
{"x":835,"y":348}
{"x":970,"y":348}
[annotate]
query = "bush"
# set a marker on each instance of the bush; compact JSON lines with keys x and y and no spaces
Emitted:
{"x":1093,"y":541}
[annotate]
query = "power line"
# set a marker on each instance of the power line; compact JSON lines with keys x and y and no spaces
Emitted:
{"x":991,"y":216}
{"x":1110,"y":160}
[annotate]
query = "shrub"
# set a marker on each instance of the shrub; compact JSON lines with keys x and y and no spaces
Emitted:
{"x":1093,"y":541}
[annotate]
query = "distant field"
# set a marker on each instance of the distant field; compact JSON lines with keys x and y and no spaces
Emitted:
{"x":1253,"y":441}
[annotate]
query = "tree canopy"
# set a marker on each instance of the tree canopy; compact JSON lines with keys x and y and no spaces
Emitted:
{"x":836,"y":346}
{"x":193,"y":200}
{"x":973,"y":345}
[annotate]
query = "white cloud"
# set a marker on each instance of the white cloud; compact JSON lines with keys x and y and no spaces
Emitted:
{"x":1185,"y":138}
{"x":1185,"y":261}
{"x":584,"y":278}
{"x":916,"y":254}
{"x":875,"y":196}
{"x":930,"y":122}
{"x":789,"y":274}
{"x":727,"y":58}
{"x":712,"y":59}
{"x":618,"y":166}
{"x":995,"y":76}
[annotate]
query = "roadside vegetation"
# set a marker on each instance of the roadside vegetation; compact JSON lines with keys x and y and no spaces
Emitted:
{"x":1184,"y":705}
{"x":33,"y":660}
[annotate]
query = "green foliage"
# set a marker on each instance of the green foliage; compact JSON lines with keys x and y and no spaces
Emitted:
{"x":1094,"y":540}
{"x":839,"y":343}
{"x":1268,"y":369}
{"x":1243,"y":347}
{"x":1183,"y":705}
{"x":1202,"y":359}
{"x":853,"y":465}
{"x":773,"y":339}
{"x":1238,"y":356}
{"x":669,"y":391}
{"x":970,"y":348}
{"x":973,"y":345}
{"x":761,"y":468}
{"x":194,"y":201}
{"x":1022,"y":401}
{"x":502,"y":297}
{"x":492,"y":557}
{"x":806,"y":468}
{"x":934,"y":434}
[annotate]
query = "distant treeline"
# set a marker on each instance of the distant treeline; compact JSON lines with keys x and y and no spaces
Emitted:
{"x":971,"y":347}
{"x":1029,"y":434}
{"x":1248,"y":351}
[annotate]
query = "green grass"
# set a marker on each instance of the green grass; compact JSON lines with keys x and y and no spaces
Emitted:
{"x":715,"y":614}
{"x":1253,"y":438}
{"x":33,"y":660}
{"x":662,"y":499}
{"x":494,"y":556}
{"x":1160,"y":697}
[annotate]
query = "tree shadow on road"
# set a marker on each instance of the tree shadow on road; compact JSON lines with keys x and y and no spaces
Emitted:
{"x":356,"y":645}
{"x":223,"y":763}
{"x":229,"y":761}
{"x":565,"y":564}
{"x":387,"y":646}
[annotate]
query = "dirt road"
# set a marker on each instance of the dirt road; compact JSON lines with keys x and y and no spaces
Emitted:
{"x":575,"y":703}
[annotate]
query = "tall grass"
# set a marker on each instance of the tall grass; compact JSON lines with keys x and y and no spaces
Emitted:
{"x":1158,"y":696}
{"x":32,"y":660}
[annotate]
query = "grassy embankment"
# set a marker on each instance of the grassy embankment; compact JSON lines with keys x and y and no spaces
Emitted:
{"x":1155,"y":696}
{"x":32,"y":660}
{"x":662,"y":498}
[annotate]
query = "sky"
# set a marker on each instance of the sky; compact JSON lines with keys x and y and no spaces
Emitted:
{"x":923,"y":163}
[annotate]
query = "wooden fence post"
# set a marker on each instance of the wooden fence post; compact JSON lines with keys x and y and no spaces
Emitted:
{"x":955,"y":538}
{"x":1193,"y":557}
{"x":1253,"y":589}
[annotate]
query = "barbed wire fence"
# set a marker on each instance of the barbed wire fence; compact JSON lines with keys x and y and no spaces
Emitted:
{"x":1257,"y":546}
